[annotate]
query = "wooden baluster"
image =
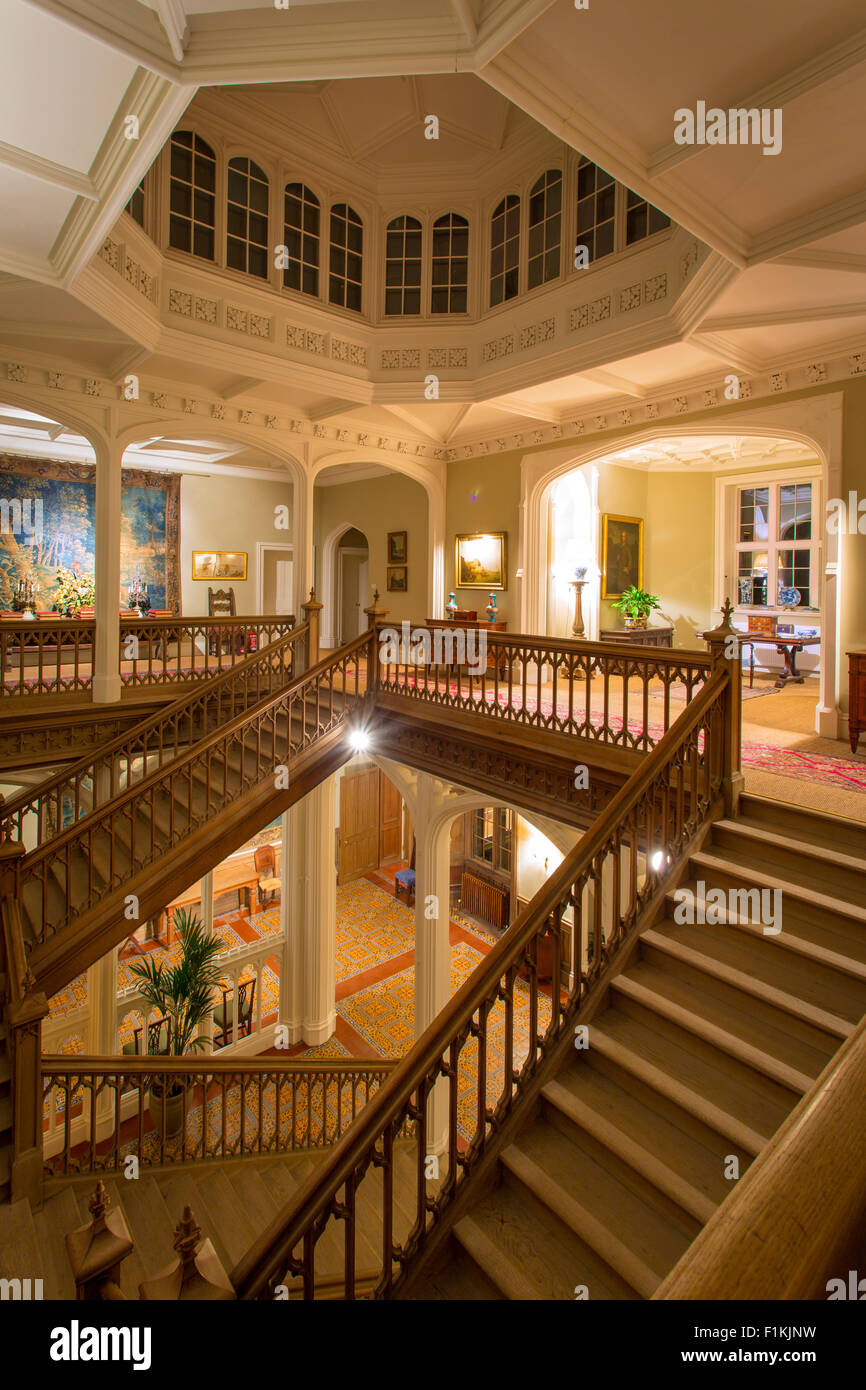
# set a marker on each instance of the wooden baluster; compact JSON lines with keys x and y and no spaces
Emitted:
{"x":387,"y":1207}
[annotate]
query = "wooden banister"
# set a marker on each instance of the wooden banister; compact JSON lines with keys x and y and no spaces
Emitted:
{"x":166,"y":731}
{"x":797,"y":1218}
{"x":654,"y":817}
{"x":25,"y":1009}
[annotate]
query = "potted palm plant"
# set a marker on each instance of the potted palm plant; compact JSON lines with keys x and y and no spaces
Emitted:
{"x":182,"y":994}
{"x":636,"y":605}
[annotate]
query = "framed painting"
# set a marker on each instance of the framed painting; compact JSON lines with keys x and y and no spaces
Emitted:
{"x":219,"y":564}
{"x":398,"y":549}
{"x":621,"y":554}
{"x":398,"y":579}
{"x":480,"y":561}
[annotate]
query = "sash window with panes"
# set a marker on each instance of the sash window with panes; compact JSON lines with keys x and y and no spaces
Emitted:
{"x":776,"y":541}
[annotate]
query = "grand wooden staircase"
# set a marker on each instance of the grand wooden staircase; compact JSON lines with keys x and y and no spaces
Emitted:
{"x":709,"y":1038}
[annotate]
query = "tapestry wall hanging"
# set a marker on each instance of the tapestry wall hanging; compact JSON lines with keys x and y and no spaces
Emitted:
{"x":48,"y":522}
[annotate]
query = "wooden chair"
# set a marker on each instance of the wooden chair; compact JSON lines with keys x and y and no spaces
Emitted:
{"x":220,"y":604}
{"x":404,"y":880}
{"x":224,"y":1013}
{"x":265,"y":860}
{"x":158,"y":1039}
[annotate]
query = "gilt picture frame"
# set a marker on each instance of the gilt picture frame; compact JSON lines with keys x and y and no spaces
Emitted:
{"x":480,"y":560}
{"x":621,"y":554}
{"x":219,"y":564}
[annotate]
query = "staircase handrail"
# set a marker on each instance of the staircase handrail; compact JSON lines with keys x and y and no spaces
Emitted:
{"x":407,"y":1091}
{"x":234,"y":730}
{"x":129,"y":745}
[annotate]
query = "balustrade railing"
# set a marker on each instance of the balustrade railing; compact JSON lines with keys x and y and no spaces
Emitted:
{"x":625,"y":697}
{"x":48,"y":656}
{"x":100,"y":1111}
{"x":174,"y":651}
{"x":67,"y":875}
{"x":588,"y":912}
{"x":36,"y":817}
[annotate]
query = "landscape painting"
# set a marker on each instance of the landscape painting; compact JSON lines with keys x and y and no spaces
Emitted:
{"x":49,"y":523}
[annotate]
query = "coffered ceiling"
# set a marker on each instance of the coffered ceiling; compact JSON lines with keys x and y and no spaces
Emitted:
{"x":784,"y":283}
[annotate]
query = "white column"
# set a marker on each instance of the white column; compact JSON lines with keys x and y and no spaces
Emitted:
{"x":106,"y":649}
{"x":319,"y":924}
{"x":436,"y":550}
{"x":302,"y":530}
{"x":432,"y":944}
{"x":292,"y":907}
{"x":206,"y":1028}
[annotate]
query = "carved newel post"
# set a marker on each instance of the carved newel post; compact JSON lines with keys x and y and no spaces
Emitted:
{"x":97,"y":1250}
{"x":196,"y":1275}
{"x":725,"y":649}
{"x":376,"y":616}
{"x":312,"y":611}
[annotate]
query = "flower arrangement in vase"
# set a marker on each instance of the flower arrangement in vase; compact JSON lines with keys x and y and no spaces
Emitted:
{"x":74,"y":590}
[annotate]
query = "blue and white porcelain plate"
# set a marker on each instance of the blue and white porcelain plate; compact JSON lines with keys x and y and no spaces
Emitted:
{"x":789,"y":597}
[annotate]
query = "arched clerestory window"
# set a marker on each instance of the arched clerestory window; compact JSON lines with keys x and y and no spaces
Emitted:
{"x":505,"y":250}
{"x":302,"y":218}
{"x":545,"y":228}
{"x":247,"y":217}
{"x":192,"y":195}
{"x":403,"y":266}
{"x":450,"y":278}
{"x":346,"y":259}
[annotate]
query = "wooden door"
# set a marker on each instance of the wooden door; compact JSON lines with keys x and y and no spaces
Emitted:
{"x":359,"y":824}
{"x":390,"y":822}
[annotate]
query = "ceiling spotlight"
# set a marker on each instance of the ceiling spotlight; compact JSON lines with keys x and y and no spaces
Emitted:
{"x":359,"y":739}
{"x":656,"y":860}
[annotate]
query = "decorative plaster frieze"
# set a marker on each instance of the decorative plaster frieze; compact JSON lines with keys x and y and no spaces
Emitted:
{"x":778,"y":381}
{"x":205,"y":310}
{"x":537,"y":437}
{"x":140,"y":279}
{"x":353,"y":353}
{"x":180,"y":302}
{"x":110,"y":253}
{"x":402,"y":446}
{"x":159,"y":399}
{"x":857,"y":363}
{"x":652,"y":410}
{"x":383,"y":442}
{"x":745,"y":389}
{"x":681,"y":404}
{"x":296,"y":426}
{"x":630,"y":298}
{"x":655,"y":288}
{"x":447,"y":357}
{"x":55,"y":381}
{"x":518,"y":441}
{"x":92,"y":387}
{"x":270,"y":422}
{"x":501,"y":445}
{"x":189,"y":405}
{"x":498,"y":347}
{"x":689,"y":261}
{"x":625,"y":417}
{"x":218,"y":411}
{"x":711,"y":397}
{"x":600,"y":422}
{"x":362,"y":438}
{"x":15,"y":372}
{"x":245,"y":417}
{"x":400,"y":359}
{"x":816,"y":372}
{"x":244,"y":321}
{"x":585,"y":315}
{"x":320,"y":431}
{"x":343,"y":436}
{"x":306,"y":340}
{"x":537,"y":333}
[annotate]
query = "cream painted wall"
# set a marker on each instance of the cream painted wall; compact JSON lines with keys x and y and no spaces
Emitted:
{"x":679,"y":536}
{"x":534,"y":850}
{"x":484,"y":495}
{"x":227,"y":514}
{"x":376,"y":506}
{"x":622,"y":492}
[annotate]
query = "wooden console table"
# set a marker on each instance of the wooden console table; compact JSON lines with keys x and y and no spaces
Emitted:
{"x":638,"y":636}
{"x":787,"y":647}
{"x":477,"y":625}
{"x":856,"y":697}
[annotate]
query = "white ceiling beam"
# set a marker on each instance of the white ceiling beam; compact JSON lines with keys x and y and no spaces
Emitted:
{"x":33,"y":166}
{"x":846,"y":261}
{"x":239,"y":386}
{"x":328,"y":409}
{"x":810,"y":226}
{"x":172,"y":17}
{"x":768,"y":318}
{"x":526,"y":412}
{"x":458,"y":421}
{"x":613,"y":382}
{"x":814,"y":73}
{"x":730,"y":356}
{"x":407,"y":418}
{"x":463,"y":11}
{"x":508,"y":23}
